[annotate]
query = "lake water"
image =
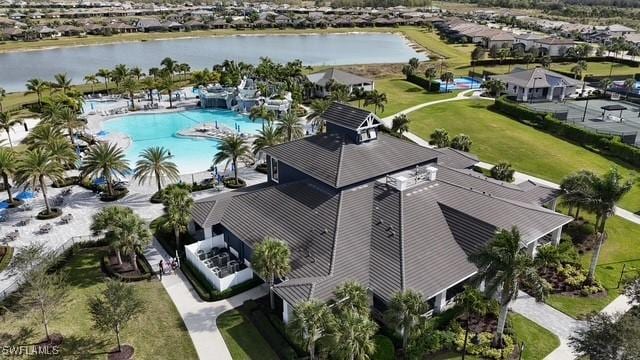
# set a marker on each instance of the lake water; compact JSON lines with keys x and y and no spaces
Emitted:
{"x":315,"y":49}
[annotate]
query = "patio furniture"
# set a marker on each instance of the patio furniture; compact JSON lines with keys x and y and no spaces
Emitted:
{"x":66,"y":192}
{"x":45,"y":228}
{"x":12,"y":235}
{"x":23,"y":222}
{"x":67,"y":218}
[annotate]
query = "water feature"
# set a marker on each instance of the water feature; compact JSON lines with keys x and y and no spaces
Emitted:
{"x":312,"y":49}
{"x":191,"y":155}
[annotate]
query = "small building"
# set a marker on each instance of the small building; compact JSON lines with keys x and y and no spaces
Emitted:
{"x":527,"y":41}
{"x":537,"y":85}
{"x":322,"y":82}
{"x":554,"y":46}
{"x":150,"y":25}
{"x":355,"y":204}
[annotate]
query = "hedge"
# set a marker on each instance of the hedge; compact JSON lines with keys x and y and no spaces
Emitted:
{"x":602,"y":143}
{"x":143,"y":265}
{"x":518,"y":61}
{"x":384,"y":348}
{"x":429,"y":85}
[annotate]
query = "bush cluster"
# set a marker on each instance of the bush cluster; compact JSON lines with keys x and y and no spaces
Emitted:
{"x":482,"y":345}
{"x":143,"y":265}
{"x":429,"y":85}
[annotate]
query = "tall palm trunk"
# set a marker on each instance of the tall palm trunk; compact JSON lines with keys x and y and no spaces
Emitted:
{"x":70,"y":130}
{"x":176,"y":232}
{"x":170,"y":100}
{"x":118,"y":255}
{"x":45,"y":322}
{"x":272,"y":299}
{"x":5,"y":179}
{"x":312,"y":350}
{"x":235,"y":168}
{"x":44,"y":194}
{"x":158,"y":182}
{"x":505,"y":299}
{"x":134,"y":260}
{"x":117,"y":329}
{"x":9,"y":138}
{"x":596,"y":253}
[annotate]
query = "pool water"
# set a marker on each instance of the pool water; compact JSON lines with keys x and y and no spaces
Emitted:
{"x":191,"y":155}
{"x":462,"y":83}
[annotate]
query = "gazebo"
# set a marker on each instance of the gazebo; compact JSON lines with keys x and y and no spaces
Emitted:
{"x":615,"y":107}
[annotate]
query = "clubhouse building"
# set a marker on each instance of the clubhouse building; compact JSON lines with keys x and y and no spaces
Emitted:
{"x":358,"y":204}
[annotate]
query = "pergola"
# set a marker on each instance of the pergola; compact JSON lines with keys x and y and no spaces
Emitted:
{"x":615,"y":107}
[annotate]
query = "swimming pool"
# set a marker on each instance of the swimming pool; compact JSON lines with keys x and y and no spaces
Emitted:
{"x":191,"y":155}
{"x":98,"y":105}
{"x":462,"y":83}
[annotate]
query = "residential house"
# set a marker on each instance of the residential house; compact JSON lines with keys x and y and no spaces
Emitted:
{"x":528,"y":40}
{"x":70,"y":30}
{"x":554,"y":46}
{"x":323,"y":80}
{"x":537,"y":84}
{"x":355,"y":204}
{"x":150,"y":25}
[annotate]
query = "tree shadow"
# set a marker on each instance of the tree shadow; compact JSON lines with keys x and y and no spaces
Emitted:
{"x":24,"y":336}
{"x":83,"y":347}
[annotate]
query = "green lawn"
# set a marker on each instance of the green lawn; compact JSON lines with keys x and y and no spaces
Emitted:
{"x":158,"y":333}
{"x":622,"y":247}
{"x":242,"y":338}
{"x":539,"y":342}
{"x":402,"y":94}
{"x":455,"y":54}
{"x":496,"y":137}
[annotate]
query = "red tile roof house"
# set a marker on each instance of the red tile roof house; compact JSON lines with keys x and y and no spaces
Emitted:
{"x":356,"y":204}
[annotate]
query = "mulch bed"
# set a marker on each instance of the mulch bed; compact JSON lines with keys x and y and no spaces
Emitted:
{"x":125,"y":354}
{"x":478,"y":324}
{"x":55,"y":340}
{"x":126,"y":269}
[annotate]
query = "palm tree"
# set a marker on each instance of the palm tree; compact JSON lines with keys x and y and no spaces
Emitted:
{"x":272,"y":260}
{"x":269,"y":136}
{"x":36,"y":86}
{"x":311,"y":322}
{"x":605,"y":192}
{"x":109,"y":219}
{"x":400,"y":124}
{"x":431,"y":73}
{"x":629,"y":85}
{"x":339,"y":93}
{"x":318,"y":107}
{"x":130,"y":86}
{"x":546,"y":61}
{"x":503,"y":171}
{"x":261,"y":112}
{"x":404,"y":313}
{"x":62,"y":82}
{"x":232,"y":148}
{"x":148,"y":84}
{"x":289,"y":127}
{"x":156,"y":162}
{"x":62,"y":152}
{"x":575,"y":188}
{"x":504,"y":264}
{"x":179,"y":204}
{"x":351,"y":296}
{"x":34,"y":166}
{"x":107,"y":161}
{"x":461,"y":142}
{"x":439,"y":138}
{"x":3,"y":94}
{"x":447,"y":78}
{"x":166,"y":83}
{"x":119,"y":73}
{"x":605,"y":84}
{"x":7,"y":169}
{"x":353,"y":336}
{"x":91,"y":79}
{"x":42,"y":134}
{"x":528,"y":58}
{"x":170,"y":66}
{"x":106,"y":75}
{"x":136,"y":72}
{"x":136,"y":236}
{"x":7,"y":122}
{"x":377,"y":99}
{"x":66,"y":117}
{"x":184,"y":68}
{"x":471,"y":302}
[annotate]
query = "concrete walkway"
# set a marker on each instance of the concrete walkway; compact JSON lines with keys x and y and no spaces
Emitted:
{"x":199,"y":316}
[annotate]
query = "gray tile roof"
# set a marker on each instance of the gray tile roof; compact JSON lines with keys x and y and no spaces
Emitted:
{"x":339,"y":76}
{"x":335,"y":160}
{"x":346,"y":116}
{"x":541,"y":77}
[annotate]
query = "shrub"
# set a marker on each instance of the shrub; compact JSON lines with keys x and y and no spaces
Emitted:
{"x":503,"y":171}
{"x":384,"y":348}
{"x":68,"y":181}
{"x":579,"y":232}
{"x":117,"y":195}
{"x":262,"y":168}
{"x":44,"y":215}
{"x":591,"y":290}
{"x":232,"y":184}
{"x":481,"y":345}
{"x":6,"y":253}
{"x":429,"y":85}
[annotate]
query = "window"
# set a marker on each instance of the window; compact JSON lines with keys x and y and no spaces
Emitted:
{"x":274,"y":169}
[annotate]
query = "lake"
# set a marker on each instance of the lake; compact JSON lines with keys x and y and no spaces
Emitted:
{"x":312,"y":49}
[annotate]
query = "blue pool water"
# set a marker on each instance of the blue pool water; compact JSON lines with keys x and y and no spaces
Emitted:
{"x":462,"y":83}
{"x":191,"y":155}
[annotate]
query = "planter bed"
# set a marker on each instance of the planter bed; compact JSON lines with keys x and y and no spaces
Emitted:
{"x":6,"y":253}
{"x":43,"y":215}
{"x":117,"y":195}
{"x":231,"y":183}
{"x":125,"y":271}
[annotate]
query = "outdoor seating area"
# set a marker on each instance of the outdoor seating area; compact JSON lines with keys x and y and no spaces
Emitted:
{"x":12,"y":236}
{"x":45,"y":229}
{"x":216,"y":262}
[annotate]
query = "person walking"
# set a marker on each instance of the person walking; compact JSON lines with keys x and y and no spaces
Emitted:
{"x":161,"y":266}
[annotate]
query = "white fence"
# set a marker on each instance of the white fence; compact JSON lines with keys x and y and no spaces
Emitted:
{"x":15,"y":284}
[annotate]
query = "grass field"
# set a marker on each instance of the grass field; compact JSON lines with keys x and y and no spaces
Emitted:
{"x":539,"y":342}
{"x":496,"y":137}
{"x":158,"y":333}
{"x":622,"y":247}
{"x":402,"y":94}
{"x":242,"y":338}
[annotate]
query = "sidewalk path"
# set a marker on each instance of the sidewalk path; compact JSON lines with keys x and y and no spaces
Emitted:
{"x":199,"y":316}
